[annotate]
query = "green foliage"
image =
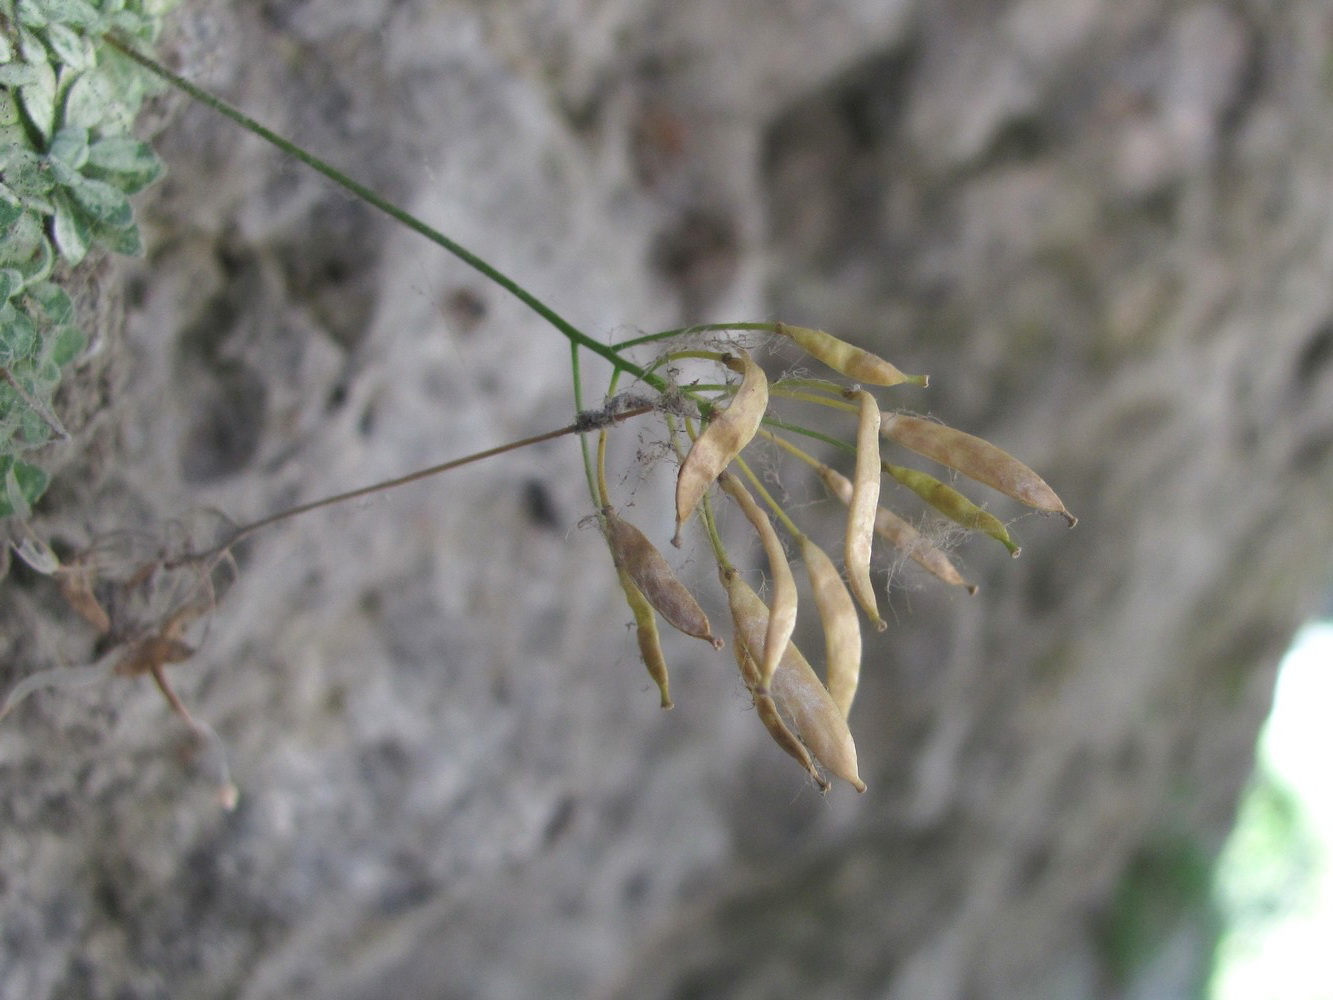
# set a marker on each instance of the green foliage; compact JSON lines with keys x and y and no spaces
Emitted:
{"x":67,"y":167}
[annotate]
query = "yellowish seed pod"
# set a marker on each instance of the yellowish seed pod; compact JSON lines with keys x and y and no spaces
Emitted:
{"x":650,"y":645}
{"x":975,"y":458}
{"x":897,"y":532}
{"x":861,"y":509}
{"x":652,"y":574}
{"x":801,"y":699}
{"x":782,"y":614}
{"x":723,"y":439}
{"x":953,"y":505}
{"x":772,"y":719}
{"x":845,"y":359}
{"x":842,"y":629}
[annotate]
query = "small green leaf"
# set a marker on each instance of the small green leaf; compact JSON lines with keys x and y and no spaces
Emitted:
{"x":65,"y":346}
{"x":70,"y":48}
{"x":10,"y":283}
{"x":70,"y":228}
{"x":93,"y":102}
{"x":54,"y":303}
{"x":126,"y":240}
{"x":16,"y":74}
{"x":39,"y":98}
{"x":76,"y":12}
{"x":34,"y":430}
{"x":70,"y":146}
{"x":6,"y":50}
{"x":104,"y":203}
{"x":26,"y":173}
{"x":23,"y":484}
{"x":30,"y":14}
{"x":125,"y":161}
{"x":18,"y":335}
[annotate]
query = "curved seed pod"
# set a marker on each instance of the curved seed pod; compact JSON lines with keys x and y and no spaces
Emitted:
{"x":800,"y":698}
{"x":650,"y":646}
{"x":894,"y":530}
{"x":782,"y":615}
{"x":75,"y":583}
{"x":953,"y":505}
{"x":772,"y":720}
{"x":975,"y":458}
{"x":845,"y":359}
{"x":652,"y":574}
{"x":842,"y":629}
{"x":861,"y":509}
{"x":723,"y":439}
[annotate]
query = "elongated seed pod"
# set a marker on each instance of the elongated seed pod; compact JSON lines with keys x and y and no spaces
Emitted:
{"x":801,"y":699}
{"x":650,"y":645}
{"x":771,"y":718}
{"x":782,"y":614}
{"x":975,"y":458}
{"x":652,"y":574}
{"x":842,"y":628}
{"x":897,"y":532}
{"x":861,"y":509}
{"x":854,"y":362}
{"x":953,"y":505}
{"x":723,"y":439}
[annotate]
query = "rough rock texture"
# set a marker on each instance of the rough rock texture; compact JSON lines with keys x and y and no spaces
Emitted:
{"x":1103,"y":228}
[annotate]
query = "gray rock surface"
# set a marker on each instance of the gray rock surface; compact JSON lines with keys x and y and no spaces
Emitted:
{"x":1102,"y":227}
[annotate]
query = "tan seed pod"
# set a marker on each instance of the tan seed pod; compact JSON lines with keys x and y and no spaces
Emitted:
{"x":151,"y":654}
{"x":861,"y":509}
{"x":845,"y":359}
{"x":897,"y":532}
{"x":723,"y":439}
{"x":802,"y":701}
{"x":782,"y":614}
{"x":842,"y":629}
{"x":75,"y":584}
{"x":953,"y":505}
{"x":650,"y":646}
{"x":975,"y":458}
{"x":770,"y":717}
{"x":652,"y":574}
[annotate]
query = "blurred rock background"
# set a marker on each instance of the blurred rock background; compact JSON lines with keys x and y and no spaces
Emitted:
{"x":1103,"y":228}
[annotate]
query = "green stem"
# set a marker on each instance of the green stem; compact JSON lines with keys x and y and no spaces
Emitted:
{"x":698,"y":328}
{"x":571,"y":332}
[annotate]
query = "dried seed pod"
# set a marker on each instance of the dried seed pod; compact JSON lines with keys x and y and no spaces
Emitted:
{"x":650,"y":646}
{"x":897,"y":532}
{"x":975,"y":458}
{"x":857,"y":364}
{"x":801,"y":699}
{"x":723,"y":439}
{"x":953,"y":505}
{"x":151,"y":655}
{"x":782,"y":615}
{"x":861,"y":509}
{"x":75,"y":582}
{"x":771,"y":718}
{"x":652,"y":574}
{"x":842,"y":629}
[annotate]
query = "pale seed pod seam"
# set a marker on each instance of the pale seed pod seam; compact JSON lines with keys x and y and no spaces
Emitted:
{"x":861,"y":509}
{"x":854,"y":362}
{"x":842,"y":627}
{"x":782,"y":614}
{"x":723,"y":439}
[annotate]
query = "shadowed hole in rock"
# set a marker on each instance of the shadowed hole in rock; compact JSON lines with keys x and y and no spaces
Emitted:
{"x":226,"y":427}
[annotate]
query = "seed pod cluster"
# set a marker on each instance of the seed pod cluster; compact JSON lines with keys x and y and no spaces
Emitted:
{"x":723,"y":439}
{"x":803,"y":704}
{"x":975,"y":458}
{"x":846,"y":359}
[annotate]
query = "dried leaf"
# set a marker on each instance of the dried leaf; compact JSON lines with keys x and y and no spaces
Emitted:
{"x":953,"y":505}
{"x":148,"y":656}
{"x":802,"y":701}
{"x":782,"y":615}
{"x":75,"y":583}
{"x":857,"y":364}
{"x":842,"y":628}
{"x":650,"y":646}
{"x":861,"y":509}
{"x":975,"y":458}
{"x":723,"y":439}
{"x":652,"y":574}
